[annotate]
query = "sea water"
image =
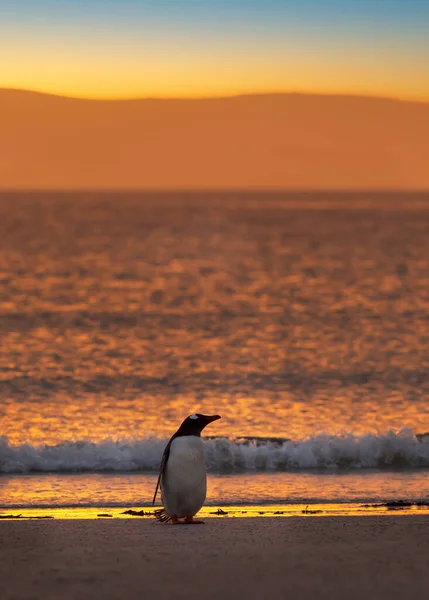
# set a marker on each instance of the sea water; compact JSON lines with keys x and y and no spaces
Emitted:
{"x":302,"y":319}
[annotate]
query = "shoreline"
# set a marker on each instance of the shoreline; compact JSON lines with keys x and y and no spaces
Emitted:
{"x":224,"y":511}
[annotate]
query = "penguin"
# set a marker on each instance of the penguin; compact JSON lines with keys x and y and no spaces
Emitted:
{"x":182,"y":474}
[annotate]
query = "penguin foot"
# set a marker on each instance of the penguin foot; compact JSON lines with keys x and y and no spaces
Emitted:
{"x":161,"y":515}
{"x":175,"y":520}
{"x":188,"y":521}
{"x":192,"y":521}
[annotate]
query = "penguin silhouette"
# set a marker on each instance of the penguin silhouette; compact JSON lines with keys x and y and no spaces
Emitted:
{"x":182,"y":475}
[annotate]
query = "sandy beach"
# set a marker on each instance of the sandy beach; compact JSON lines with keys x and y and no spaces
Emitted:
{"x":329,"y":557}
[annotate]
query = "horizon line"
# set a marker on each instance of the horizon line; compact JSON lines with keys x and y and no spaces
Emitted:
{"x":216,"y":191}
{"x":366,"y":96}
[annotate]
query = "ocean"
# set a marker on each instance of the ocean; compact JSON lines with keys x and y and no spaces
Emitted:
{"x":301,"y":318}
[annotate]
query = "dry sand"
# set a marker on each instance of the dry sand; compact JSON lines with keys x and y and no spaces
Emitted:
{"x":297,"y":558}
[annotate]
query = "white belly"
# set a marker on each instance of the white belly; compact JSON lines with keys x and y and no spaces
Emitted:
{"x":184,"y":483}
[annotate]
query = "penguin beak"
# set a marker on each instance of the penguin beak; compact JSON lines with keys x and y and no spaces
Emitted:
{"x":212,"y":418}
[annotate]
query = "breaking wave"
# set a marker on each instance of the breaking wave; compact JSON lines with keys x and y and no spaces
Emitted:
{"x":401,"y":449}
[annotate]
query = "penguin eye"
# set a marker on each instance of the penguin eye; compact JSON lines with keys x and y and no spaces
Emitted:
{"x":194,"y":416}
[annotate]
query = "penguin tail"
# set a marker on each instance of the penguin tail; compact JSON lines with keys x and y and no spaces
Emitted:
{"x":161,"y":515}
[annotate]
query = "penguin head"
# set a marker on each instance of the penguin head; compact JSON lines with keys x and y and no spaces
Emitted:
{"x":194,"y":424}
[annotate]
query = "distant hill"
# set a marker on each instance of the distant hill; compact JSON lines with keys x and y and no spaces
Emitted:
{"x":260,"y":141}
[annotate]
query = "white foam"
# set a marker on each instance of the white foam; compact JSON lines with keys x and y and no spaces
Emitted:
{"x":388,"y":450}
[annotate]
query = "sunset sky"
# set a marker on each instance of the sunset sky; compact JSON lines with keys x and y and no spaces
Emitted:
{"x":176,"y":48}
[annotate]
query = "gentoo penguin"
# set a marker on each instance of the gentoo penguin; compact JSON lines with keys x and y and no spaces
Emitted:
{"x":182,"y":475}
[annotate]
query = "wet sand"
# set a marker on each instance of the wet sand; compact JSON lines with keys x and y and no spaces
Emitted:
{"x":297,"y":558}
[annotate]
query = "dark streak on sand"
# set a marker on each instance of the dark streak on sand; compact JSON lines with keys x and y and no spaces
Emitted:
{"x":307,"y":511}
{"x":21,"y":517}
{"x":136,"y":513}
{"x":397,"y":504}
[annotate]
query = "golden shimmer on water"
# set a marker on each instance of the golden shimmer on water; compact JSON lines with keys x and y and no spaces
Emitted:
{"x":292,"y":487}
{"x":98,"y":418}
{"x":121,"y":314}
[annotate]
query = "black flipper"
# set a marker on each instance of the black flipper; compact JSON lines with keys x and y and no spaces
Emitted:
{"x":164,"y":460}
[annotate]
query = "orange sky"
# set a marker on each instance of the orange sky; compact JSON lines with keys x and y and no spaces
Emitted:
{"x":133,"y":48}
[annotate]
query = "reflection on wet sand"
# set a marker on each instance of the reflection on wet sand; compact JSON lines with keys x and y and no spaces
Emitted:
{"x":296,"y":510}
